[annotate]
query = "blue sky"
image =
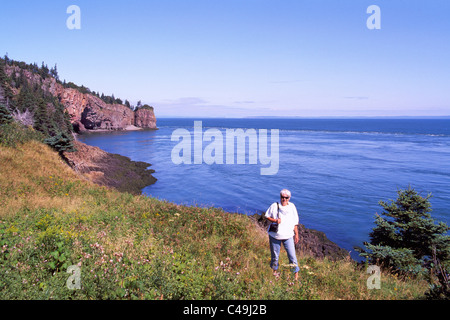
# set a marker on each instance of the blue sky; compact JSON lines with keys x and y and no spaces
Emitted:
{"x":237,"y":58}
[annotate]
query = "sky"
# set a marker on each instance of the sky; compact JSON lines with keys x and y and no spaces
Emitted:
{"x":244,"y":58}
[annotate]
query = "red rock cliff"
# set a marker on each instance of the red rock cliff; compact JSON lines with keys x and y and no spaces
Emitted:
{"x":145,"y":118}
{"x":88,"y":111}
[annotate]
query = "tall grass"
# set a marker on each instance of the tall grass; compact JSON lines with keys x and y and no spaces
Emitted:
{"x":137,"y":247}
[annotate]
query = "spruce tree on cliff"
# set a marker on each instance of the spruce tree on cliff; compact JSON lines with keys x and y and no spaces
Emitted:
{"x":406,"y":238}
{"x":5,"y":116}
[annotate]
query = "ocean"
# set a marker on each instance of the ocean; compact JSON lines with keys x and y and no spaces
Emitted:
{"x":336,"y":169}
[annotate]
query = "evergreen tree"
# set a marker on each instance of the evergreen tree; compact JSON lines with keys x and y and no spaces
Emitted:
{"x":44,"y":71}
{"x":5,"y":116}
{"x":406,"y":238}
{"x":61,"y":142}
{"x":41,"y":121}
{"x":3,"y":76}
{"x":26,"y":99}
{"x":6,"y":94}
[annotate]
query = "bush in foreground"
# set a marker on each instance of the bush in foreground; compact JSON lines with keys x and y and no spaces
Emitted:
{"x":407,"y":240}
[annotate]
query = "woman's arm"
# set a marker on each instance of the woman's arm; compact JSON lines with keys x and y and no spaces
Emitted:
{"x":270,"y":212}
{"x":274,"y":220}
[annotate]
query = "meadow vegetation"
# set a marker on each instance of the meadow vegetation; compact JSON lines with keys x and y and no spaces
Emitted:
{"x":136,"y":247}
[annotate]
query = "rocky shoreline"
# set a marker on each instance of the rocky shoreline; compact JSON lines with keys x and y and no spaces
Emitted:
{"x":111,"y":170}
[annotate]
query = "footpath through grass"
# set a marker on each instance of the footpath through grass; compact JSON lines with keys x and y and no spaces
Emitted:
{"x":136,"y":247}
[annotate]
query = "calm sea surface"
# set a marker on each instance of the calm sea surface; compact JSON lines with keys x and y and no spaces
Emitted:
{"x":336,"y":169}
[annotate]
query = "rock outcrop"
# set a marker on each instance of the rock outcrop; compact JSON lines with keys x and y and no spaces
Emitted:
{"x":111,"y":170}
{"x":316,"y":243}
{"x":145,"y":117}
{"x":87,"y":111}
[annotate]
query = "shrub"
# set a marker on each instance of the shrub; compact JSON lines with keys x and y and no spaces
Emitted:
{"x":13,"y":134}
{"x":407,"y":240}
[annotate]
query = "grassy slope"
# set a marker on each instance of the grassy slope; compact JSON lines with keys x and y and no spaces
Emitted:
{"x":138,"y":247}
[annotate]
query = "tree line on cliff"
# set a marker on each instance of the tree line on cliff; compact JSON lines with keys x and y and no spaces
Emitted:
{"x":44,"y":72}
{"x":34,"y":108}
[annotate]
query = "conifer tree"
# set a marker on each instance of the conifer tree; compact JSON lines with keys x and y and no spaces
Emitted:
{"x":61,"y":142}
{"x":5,"y":116}
{"x":54,"y":72}
{"x":406,"y":238}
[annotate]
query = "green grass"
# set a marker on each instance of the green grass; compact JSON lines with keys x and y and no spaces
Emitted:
{"x":136,"y":247}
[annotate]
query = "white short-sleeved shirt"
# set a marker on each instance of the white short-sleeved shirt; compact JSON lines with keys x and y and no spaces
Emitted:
{"x":289,"y":219}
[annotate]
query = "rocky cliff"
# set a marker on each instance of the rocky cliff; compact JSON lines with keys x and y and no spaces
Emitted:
{"x":145,"y":117}
{"x":87,"y":111}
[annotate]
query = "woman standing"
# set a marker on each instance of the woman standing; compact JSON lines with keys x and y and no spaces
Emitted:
{"x":283,"y":230}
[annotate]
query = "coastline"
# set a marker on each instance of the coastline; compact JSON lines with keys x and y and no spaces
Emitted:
{"x":127,"y":128}
{"x":108,"y":169}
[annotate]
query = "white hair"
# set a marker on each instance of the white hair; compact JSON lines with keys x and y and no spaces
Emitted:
{"x":285,"y":192}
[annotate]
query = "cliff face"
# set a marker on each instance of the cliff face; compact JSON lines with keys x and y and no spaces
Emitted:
{"x":145,"y":118}
{"x":89,"y":112}
{"x":93,"y":113}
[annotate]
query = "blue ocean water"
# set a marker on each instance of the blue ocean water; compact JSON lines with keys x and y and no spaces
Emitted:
{"x":337,"y":169}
